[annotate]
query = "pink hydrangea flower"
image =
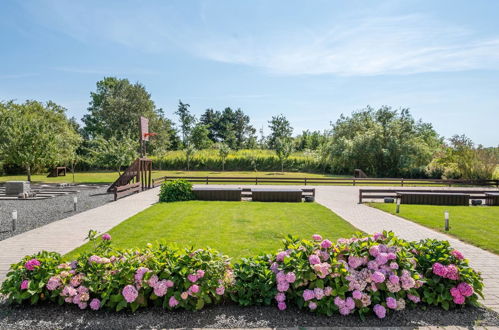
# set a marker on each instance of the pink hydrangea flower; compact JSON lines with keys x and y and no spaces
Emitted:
{"x":326,"y":244}
{"x":194,"y":288}
{"x":153,"y":280}
{"x":95,"y":304}
{"x":53,"y":283}
{"x":200,"y":273}
{"x":281,"y":255}
{"x":413,"y":298}
{"x":378,"y":236}
{"x":290,"y":277}
{"x":459,"y":299}
{"x":379,"y":310}
{"x":312,"y":305}
{"x":106,"y":237}
{"x":345,"y":311}
{"x":465,"y":289}
{"x":314,"y":259}
{"x":458,"y":255}
{"x":220,"y":290}
{"x":357,"y":294}
{"x":391,"y":256}
{"x":130,"y":293}
{"x":281,"y":305}
{"x":317,"y":237}
{"x":308,"y":295}
{"x":32,"y":264}
{"x":382,"y":258}
{"x":378,"y":277}
{"x":160,"y":288}
{"x":374,"y":250}
{"x":355,"y":262}
{"x":394,"y":279}
{"x":339,"y":302}
{"x":319,"y":293}
{"x":349,"y":303}
{"x":172,"y":302}
{"x":192,"y":277}
{"x":184,"y":295}
{"x":283,"y":286}
{"x":94,"y":259}
{"x":280,"y":297}
{"x":139,"y":274}
{"x":82,"y":305}
{"x":391,"y":302}
{"x":394,"y":265}
{"x":327,"y":291}
{"x":24,"y":285}
{"x":169,"y":284}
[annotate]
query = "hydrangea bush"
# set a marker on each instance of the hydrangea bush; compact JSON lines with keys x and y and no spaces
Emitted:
{"x":377,"y":274}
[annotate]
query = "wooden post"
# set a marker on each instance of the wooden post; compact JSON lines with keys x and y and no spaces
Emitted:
{"x":354,"y":183}
{"x":402,"y":182}
{"x":207,"y":180}
{"x":360,"y":196}
{"x":256,"y":180}
{"x":305,"y":181}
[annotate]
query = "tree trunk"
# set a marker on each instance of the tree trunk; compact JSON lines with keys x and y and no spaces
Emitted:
{"x":282,"y":166}
{"x":223,"y":166}
{"x":28,"y":171}
{"x":73,"y":170}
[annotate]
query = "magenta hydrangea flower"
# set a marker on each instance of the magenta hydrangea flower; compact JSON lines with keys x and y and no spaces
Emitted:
{"x":130,"y":293}
{"x":281,"y":305}
{"x":378,"y":277}
{"x":349,"y":303}
{"x":326,"y":244}
{"x":172,"y":302}
{"x":220,"y":290}
{"x":379,"y":310}
{"x":458,"y":255}
{"x":314,"y":259}
{"x":308,"y":295}
{"x":192,"y":277}
{"x":391,"y":302}
{"x":82,"y":305}
{"x":312,"y":305}
{"x":465,"y":289}
{"x":413,"y":298}
{"x":317,"y":237}
{"x":459,"y":299}
{"x":382,"y":258}
{"x":153,"y":280}
{"x":452,"y":272}
{"x":24,"y":285}
{"x":106,"y":237}
{"x":94,"y":259}
{"x":281,"y":255}
{"x":394,"y":279}
{"x":378,"y":236}
{"x":95,"y":304}
{"x":355,"y":262}
{"x":345,"y":311}
{"x":290,"y":277}
{"x":339,"y":302}
{"x":169,"y":284}
{"x":439,"y":269}
{"x":200,"y":273}
{"x":32,"y":264}
{"x":283,"y":286}
{"x":394,"y":265}
{"x":194,"y":288}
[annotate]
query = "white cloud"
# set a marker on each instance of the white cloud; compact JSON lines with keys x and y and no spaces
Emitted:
{"x":372,"y":46}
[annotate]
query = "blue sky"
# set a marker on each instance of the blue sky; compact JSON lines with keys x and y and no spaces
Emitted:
{"x":310,"y":60}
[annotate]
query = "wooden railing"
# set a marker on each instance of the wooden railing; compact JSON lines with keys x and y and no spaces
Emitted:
{"x":326,"y":181}
{"x":392,"y":193}
{"x":138,"y":171}
{"x":122,"y":191}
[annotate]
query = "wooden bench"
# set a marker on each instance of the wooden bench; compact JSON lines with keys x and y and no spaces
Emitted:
{"x":122,"y":191}
{"x":276,"y":195}
{"x":492,"y":198}
{"x":57,"y":171}
{"x":428,"y":198}
{"x":217,"y":194}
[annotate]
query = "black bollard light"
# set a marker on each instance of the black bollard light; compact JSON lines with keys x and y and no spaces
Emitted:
{"x":446,"y":219}
{"x":398,"y":206}
{"x":14,"y":220}
{"x":75,"y":201}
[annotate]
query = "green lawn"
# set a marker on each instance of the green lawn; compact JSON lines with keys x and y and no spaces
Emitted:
{"x":237,"y":229}
{"x":108,"y":177}
{"x":477,"y":225}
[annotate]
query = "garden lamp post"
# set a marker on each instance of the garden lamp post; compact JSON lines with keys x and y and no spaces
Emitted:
{"x":75,"y":201}
{"x":398,"y":205}
{"x":14,"y":220}
{"x":446,"y":218}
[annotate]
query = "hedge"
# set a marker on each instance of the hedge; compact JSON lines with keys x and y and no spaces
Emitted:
{"x":379,"y":274}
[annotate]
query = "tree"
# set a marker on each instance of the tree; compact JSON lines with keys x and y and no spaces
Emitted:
{"x":199,"y":137}
{"x":223,"y":152}
{"x":187,"y":121}
{"x":280,"y":128}
{"x":35,"y":135}
{"x":115,"y":109}
{"x":283,"y":149}
{"x":114,"y":153}
{"x":189,"y":152}
{"x":382,"y":142}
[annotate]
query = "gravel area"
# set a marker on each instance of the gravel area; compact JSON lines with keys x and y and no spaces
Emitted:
{"x":36,"y":213}
{"x":230,"y":316}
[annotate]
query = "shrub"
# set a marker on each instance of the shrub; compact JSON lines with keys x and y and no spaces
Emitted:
{"x":255,"y":282}
{"x":175,"y":191}
{"x":377,"y":274}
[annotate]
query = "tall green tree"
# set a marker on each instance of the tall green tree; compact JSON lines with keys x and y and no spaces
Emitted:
{"x":283,"y":149}
{"x":35,"y":135}
{"x":280,"y":128}
{"x":187,"y":121}
{"x":200,"y":137}
{"x":382,"y":142}
{"x":115,"y":109}
{"x":114,"y":153}
{"x":223,"y":152}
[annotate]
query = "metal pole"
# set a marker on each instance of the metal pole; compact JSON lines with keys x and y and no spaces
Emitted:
{"x":398,"y":205}
{"x":14,"y":220}
{"x":446,"y":218}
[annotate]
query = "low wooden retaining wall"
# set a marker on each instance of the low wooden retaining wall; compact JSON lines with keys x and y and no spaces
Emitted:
{"x":428,"y":198}
{"x":217,"y":194}
{"x":122,"y":191}
{"x":393,"y":193}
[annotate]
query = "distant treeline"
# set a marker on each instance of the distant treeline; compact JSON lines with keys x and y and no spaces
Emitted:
{"x":383,"y":142}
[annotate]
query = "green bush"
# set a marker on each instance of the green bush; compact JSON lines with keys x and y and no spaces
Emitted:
{"x":176,"y":191}
{"x":256,"y":283}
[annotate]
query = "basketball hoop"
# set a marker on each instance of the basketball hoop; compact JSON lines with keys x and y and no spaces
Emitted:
{"x":150,"y":134}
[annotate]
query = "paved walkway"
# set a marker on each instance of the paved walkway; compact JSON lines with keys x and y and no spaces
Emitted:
{"x":67,"y":234}
{"x":344,"y":202}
